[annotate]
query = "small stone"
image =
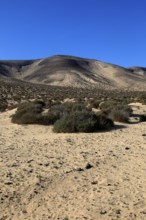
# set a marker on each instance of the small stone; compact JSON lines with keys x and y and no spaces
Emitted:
{"x":46,"y":164}
{"x":118,"y":211}
{"x":29,"y":161}
{"x":79,"y":169}
{"x":143,"y":134}
{"x":24,"y":211}
{"x":127,"y":148}
{"x":8,"y":183}
{"x":56,"y":167}
{"x":14,"y":165}
{"x":103,"y":212}
{"x":35,"y":191}
{"x":88,"y":166}
{"x":94,"y":182}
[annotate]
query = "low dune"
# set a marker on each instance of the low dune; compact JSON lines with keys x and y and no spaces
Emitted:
{"x":72,"y":176}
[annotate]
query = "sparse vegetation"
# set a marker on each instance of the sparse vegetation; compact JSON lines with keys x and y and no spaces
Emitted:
{"x":82,"y":121}
{"x":14,"y":91}
{"x":108,"y":106}
{"x":67,"y":107}
{"x":113,"y":103}
{"x":116,"y":111}
{"x":68,"y":117}
{"x":32,"y":113}
{"x":3,"y":105}
{"x":27,"y":113}
{"x":94,"y":103}
{"x":119,"y":115}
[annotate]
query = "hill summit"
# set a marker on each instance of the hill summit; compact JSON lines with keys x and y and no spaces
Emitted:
{"x":61,"y":70}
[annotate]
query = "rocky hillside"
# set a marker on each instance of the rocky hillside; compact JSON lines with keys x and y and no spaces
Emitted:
{"x":75,"y":72}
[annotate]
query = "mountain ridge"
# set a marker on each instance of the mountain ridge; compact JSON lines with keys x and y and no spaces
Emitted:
{"x":62,"y":70}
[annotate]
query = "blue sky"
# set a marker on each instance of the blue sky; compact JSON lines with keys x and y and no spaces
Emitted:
{"x":108,"y":30}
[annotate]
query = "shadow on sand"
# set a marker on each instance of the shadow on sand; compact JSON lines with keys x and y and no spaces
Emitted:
{"x":117,"y":127}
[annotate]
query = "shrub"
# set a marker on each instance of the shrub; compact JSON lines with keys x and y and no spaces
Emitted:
{"x":27,"y":118}
{"x":107,"y":106}
{"x":3,"y":106}
{"x":40,"y":102}
{"x":32,"y":113}
{"x":27,"y":113}
{"x":142,"y":118}
{"x":82,"y":121}
{"x":116,"y":111}
{"x":30,"y":107}
{"x":119,"y":115}
{"x":79,"y":107}
{"x":47,"y":119}
{"x":94,"y":103}
{"x":104,"y":123}
{"x":57,"y":110}
{"x":65,"y":108}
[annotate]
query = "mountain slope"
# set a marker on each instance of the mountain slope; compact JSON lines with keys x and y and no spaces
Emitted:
{"x":74,"y":72}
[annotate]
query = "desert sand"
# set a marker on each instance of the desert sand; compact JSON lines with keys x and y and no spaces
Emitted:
{"x":81,"y":176}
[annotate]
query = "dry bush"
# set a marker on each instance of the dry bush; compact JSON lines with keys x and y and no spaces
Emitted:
{"x":82,"y":121}
{"x":27,"y":113}
{"x":119,"y":115}
{"x":3,"y":105}
{"x":116,"y":111}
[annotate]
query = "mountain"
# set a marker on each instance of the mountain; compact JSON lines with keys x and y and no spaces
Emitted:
{"x":75,"y":72}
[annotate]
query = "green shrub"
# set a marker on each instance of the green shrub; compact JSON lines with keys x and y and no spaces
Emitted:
{"x":109,"y":106}
{"x":94,"y":103}
{"x":65,"y":108}
{"x":119,"y":115}
{"x":40,"y":102}
{"x":57,"y":110}
{"x":104,"y":123}
{"x":3,"y":106}
{"x":79,"y":107}
{"x":27,"y":113}
{"x":142,"y":118}
{"x":47,"y":119}
{"x":32,"y":113}
{"x":82,"y":121}
{"x":30,"y":106}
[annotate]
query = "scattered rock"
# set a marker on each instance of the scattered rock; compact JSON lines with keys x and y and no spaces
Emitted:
{"x":29,"y":161}
{"x":79,"y":169}
{"x":8,"y":183}
{"x":88,"y":166}
{"x":94,"y":182}
{"x":103,"y":212}
{"x":14,"y":165}
{"x":118,"y":211}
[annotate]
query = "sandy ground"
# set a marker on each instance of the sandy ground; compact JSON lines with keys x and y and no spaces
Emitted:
{"x":72,"y":176}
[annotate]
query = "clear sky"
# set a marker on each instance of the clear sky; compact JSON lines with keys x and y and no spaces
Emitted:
{"x":108,"y":30}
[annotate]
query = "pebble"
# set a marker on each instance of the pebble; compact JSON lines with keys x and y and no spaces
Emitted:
{"x":118,"y":211}
{"x":94,"y":182}
{"x":88,"y":166}
{"x":103,"y":212}
{"x":79,"y":169}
